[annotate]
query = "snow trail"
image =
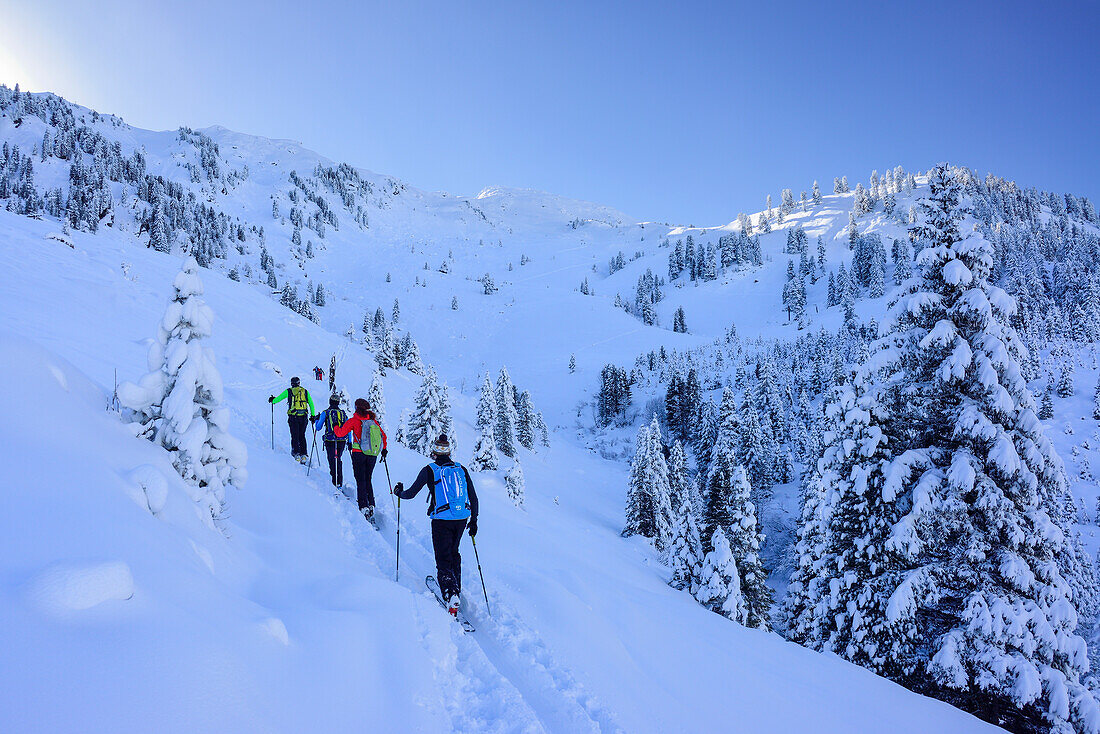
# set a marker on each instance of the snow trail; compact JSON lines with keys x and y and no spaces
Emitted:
{"x":504,"y":661}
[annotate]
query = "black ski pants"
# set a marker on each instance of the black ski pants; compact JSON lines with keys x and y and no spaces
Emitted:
{"x":298,"y":425}
{"x":363,"y":467}
{"x":446,"y":535}
{"x":334,"y":450}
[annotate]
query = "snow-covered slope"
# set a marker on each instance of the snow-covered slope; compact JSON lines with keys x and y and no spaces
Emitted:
{"x":123,"y":612}
{"x":116,"y":618}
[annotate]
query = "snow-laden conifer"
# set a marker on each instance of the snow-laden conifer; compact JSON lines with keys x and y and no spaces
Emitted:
{"x":504,"y":431}
{"x":956,"y":584}
{"x":430,"y":415}
{"x":178,"y":404}
{"x":485,"y":452}
{"x":746,"y":539}
{"x":685,"y":552}
{"x":527,"y":421}
{"x":648,"y":507}
{"x":515,"y":484}
{"x":678,"y":484}
{"x":720,"y":586}
{"x":486,"y":405}
{"x":377,"y":399}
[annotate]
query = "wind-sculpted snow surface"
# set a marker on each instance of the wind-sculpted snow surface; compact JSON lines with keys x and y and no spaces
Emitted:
{"x":121,"y":610}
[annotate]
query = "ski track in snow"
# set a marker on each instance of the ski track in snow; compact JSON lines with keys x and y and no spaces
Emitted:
{"x":504,"y":664}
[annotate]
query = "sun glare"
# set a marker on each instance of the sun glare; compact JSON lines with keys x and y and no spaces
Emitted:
{"x":13,"y":72}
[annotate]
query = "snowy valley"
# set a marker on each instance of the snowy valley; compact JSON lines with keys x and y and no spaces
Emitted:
{"x":131,"y":600}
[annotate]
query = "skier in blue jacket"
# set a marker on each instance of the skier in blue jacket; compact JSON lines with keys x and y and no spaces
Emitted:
{"x":452,"y":506}
{"x":328,"y":420}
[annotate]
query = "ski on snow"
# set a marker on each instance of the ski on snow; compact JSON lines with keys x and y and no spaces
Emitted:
{"x":433,"y":586}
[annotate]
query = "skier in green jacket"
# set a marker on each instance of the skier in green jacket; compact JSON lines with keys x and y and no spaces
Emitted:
{"x":299,"y":409}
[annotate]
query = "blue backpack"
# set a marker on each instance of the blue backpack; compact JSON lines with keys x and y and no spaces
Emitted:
{"x":334,"y":418}
{"x":450,"y":498}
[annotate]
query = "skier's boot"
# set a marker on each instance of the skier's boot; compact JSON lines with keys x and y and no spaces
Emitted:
{"x":368,"y":513}
{"x":452,"y":605}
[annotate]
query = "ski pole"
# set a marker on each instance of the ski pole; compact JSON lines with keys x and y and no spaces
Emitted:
{"x":397,"y":574}
{"x":273,"y":426}
{"x":311,"y":450}
{"x":479,"y":573}
{"x":387,"y":465}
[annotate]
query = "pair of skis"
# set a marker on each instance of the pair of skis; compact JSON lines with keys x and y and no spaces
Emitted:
{"x":460,"y":616}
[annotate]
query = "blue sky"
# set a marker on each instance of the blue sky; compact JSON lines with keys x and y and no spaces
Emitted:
{"x":681,"y":112}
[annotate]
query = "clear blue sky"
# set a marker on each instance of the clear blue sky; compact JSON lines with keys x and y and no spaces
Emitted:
{"x":683,"y":112}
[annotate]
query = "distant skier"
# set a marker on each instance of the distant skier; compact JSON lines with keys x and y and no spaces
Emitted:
{"x":452,"y":502}
{"x":331,"y":419}
{"x":366,"y":447}
{"x":318,"y":374}
{"x":299,"y":408}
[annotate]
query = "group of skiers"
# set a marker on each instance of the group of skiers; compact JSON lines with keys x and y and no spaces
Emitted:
{"x":452,"y":501}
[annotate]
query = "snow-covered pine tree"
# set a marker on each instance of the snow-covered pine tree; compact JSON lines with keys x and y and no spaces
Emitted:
{"x":485,"y":452}
{"x":753,"y":452}
{"x":903,"y":260}
{"x":515,"y":484}
{"x":685,"y":553}
{"x":720,"y":586}
{"x":804,"y":607}
{"x":1065,"y":380}
{"x":413,"y":362}
{"x":178,"y":404}
{"x":542,"y":429}
{"x":648,"y":506}
{"x":527,"y":422}
{"x":678,"y":485}
{"x":861,"y":517}
{"x":385,"y":356}
{"x":429,"y":417}
{"x":1046,"y":407}
{"x":718,"y":483}
{"x":159,"y":235}
{"x":746,"y":539}
{"x":377,"y":398}
{"x":504,"y":430}
{"x":1096,"y":401}
{"x":486,"y":405}
{"x":973,"y":606}
{"x":679,"y":324}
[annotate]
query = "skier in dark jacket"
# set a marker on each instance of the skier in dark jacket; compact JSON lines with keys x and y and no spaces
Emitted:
{"x":452,"y":503}
{"x":299,"y":408}
{"x":368,"y":442}
{"x":330,"y":420}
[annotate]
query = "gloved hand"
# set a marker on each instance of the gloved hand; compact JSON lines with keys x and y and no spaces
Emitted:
{"x":385,"y":452}
{"x":313,"y":418}
{"x":399,"y":487}
{"x":472,"y":527}
{"x":271,"y":398}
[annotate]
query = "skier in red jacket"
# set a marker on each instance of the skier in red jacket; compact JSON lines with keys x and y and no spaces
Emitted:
{"x":368,"y":442}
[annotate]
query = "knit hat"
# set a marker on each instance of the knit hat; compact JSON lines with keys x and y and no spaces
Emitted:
{"x":294,"y":381}
{"x":362,"y":407}
{"x":334,"y":401}
{"x":442,"y":446}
